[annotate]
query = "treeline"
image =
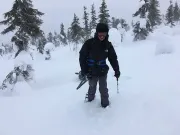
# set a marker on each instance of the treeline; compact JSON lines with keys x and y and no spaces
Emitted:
{"x":25,"y":21}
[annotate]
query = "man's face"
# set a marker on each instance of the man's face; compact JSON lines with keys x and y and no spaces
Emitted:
{"x":102,"y":35}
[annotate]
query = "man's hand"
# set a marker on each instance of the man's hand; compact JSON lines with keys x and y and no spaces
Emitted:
{"x":117,"y":74}
{"x":89,"y":76}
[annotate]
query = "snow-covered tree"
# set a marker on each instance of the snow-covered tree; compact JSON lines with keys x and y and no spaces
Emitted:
{"x":104,"y":13}
{"x":56,"y":39}
{"x":140,"y":32}
{"x":41,"y":43}
{"x":48,"y":48}
{"x":143,"y":9}
{"x":23,"y":71}
{"x":24,"y":21}
{"x":124,"y":24}
{"x":63,"y":37}
{"x":170,"y":15}
{"x":141,"y":28}
{"x":93,"y":21}
{"x":154,"y":15}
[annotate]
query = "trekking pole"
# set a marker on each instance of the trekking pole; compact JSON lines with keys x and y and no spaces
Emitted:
{"x":117,"y":86}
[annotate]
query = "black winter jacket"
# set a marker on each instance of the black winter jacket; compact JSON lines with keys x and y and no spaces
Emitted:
{"x":93,"y":55}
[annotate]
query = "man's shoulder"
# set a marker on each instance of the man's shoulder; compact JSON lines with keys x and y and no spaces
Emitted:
{"x":90,"y":40}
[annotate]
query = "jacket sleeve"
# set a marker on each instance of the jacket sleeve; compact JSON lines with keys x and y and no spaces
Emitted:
{"x":112,"y":57}
{"x":83,"y":54}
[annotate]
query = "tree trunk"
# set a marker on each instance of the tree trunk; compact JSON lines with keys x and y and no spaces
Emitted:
{"x":17,"y":53}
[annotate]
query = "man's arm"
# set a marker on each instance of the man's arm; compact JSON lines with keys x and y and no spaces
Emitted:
{"x":112,"y":57}
{"x":83,"y":54}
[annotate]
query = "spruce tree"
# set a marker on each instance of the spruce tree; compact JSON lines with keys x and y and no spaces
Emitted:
{"x":86,"y":24}
{"x":93,"y":21}
{"x":50,"y":37}
{"x":56,"y":39}
{"x":140,"y":31}
{"x":176,"y":12}
{"x":142,"y":12}
{"x":63,"y":37}
{"x":154,"y":15}
{"x":170,"y":15}
{"x":24,"y":21}
{"x":69,"y":38}
{"x":104,"y":13}
{"x":75,"y":30}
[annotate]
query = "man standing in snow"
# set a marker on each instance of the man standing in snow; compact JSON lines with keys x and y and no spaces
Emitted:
{"x":93,"y":55}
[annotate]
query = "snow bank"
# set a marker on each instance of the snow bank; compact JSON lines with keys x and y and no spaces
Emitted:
{"x":176,"y":31}
{"x":163,"y":39}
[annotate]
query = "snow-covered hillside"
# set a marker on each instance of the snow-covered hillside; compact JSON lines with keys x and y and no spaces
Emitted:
{"x":148,"y":102}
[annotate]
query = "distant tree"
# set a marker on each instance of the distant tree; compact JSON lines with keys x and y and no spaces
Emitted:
{"x":115,"y":22}
{"x":50,"y":37}
{"x":170,"y":15}
{"x":154,"y":15}
{"x":93,"y":21}
{"x":86,"y":29}
{"x":104,"y":13}
{"x":140,"y":32}
{"x":69,"y":38}
{"x":63,"y":37}
{"x":56,"y":39}
{"x":176,"y":12}
{"x":141,"y":28}
{"x":124,"y":24}
{"x":41,"y":43}
{"x":75,"y":31}
{"x":24,"y":21}
{"x":142,"y":12}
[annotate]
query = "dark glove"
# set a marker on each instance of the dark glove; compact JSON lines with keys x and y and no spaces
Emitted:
{"x":117,"y":74}
{"x":89,"y":76}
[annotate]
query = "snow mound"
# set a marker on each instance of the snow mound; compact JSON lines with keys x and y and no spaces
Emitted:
{"x":49,"y":46}
{"x":165,"y":30}
{"x":163,"y":39}
{"x":93,"y":31}
{"x":114,"y":37}
{"x":176,"y":31}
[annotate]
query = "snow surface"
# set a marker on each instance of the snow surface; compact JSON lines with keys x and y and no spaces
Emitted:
{"x":148,"y":102}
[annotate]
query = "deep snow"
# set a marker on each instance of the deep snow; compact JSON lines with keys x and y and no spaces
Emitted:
{"x":148,"y":102}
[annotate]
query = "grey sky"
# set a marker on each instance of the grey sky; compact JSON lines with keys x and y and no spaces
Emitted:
{"x":58,"y":11}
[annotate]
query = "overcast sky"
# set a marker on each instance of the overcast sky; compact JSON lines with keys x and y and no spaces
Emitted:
{"x":58,"y":11}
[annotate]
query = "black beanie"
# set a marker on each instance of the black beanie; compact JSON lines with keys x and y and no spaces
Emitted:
{"x":102,"y":27}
